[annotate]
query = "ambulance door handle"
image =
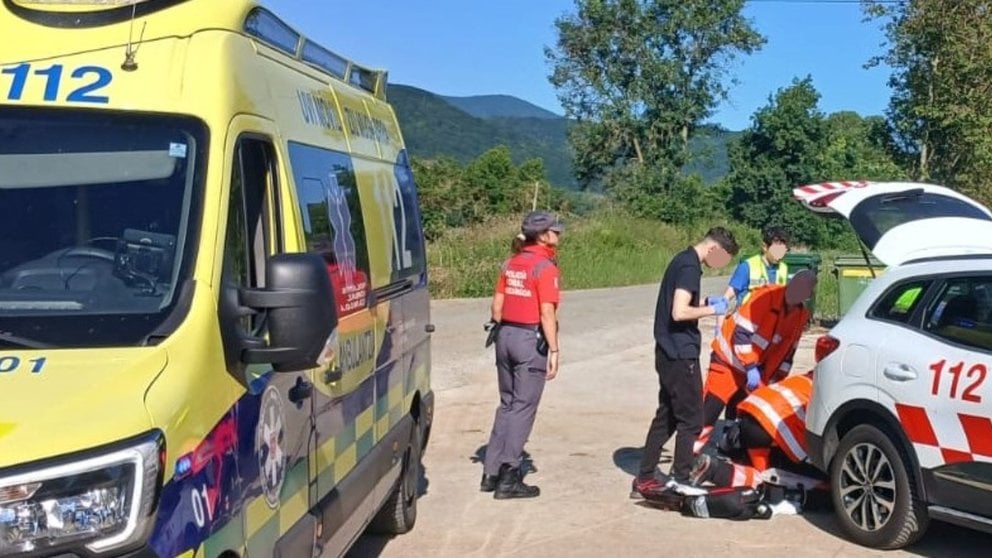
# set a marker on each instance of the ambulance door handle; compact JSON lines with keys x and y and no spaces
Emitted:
{"x":332,"y":375}
{"x":300,"y":391}
{"x":899,"y":372}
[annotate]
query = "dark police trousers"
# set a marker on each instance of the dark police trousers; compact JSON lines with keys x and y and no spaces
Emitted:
{"x":522,"y":374}
{"x":680,"y":409}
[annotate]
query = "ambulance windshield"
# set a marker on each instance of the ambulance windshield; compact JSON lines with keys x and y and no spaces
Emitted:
{"x":97,"y":227}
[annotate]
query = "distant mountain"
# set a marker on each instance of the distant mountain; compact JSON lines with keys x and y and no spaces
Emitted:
{"x":464,"y":127}
{"x":434,"y":127}
{"x":499,"y":106}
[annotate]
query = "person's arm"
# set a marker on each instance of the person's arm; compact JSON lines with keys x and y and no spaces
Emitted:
{"x":499,"y":296}
{"x":786,"y":367}
{"x":684,"y":311}
{"x":496,"y":311}
{"x":739,"y":282}
{"x":549,"y":295}
{"x":794,"y":338}
{"x":549,"y":325}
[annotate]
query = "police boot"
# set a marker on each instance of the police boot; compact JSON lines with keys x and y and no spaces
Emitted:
{"x":488,"y":483}
{"x":511,"y":485}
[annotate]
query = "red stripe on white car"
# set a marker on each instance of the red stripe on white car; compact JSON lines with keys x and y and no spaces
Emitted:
{"x":969,"y":438}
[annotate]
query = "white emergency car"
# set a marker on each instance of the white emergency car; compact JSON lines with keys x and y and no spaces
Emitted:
{"x":901,"y":414}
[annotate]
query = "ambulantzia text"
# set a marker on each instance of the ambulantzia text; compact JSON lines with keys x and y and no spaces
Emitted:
{"x":356,"y":350}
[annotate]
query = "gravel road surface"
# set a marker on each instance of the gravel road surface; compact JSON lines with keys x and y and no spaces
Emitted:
{"x":585,"y":448}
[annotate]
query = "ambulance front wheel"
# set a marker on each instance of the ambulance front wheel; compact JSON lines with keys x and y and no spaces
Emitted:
{"x":399,"y":513}
{"x":875,"y":498}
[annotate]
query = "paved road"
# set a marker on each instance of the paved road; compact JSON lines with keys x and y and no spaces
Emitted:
{"x":585,"y":448}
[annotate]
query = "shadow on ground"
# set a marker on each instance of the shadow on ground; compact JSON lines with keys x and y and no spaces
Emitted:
{"x":941,"y":540}
{"x":628,"y":459}
{"x":371,"y":544}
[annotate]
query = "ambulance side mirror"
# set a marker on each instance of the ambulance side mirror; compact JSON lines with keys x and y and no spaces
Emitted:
{"x":299,"y":313}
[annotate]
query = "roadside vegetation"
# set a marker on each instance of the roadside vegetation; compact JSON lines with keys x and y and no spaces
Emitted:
{"x":607,"y":248}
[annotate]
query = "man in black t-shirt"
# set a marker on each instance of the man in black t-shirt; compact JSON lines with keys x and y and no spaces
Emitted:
{"x":677,"y":346}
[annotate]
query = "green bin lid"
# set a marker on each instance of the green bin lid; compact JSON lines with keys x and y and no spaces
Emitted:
{"x":802,"y":258}
{"x":857,"y":260}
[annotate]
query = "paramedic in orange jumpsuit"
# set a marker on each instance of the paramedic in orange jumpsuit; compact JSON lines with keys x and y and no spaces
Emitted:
{"x":771,"y":419}
{"x":755,"y":347}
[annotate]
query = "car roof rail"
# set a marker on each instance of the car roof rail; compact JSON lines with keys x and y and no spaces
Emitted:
{"x":955,"y":257}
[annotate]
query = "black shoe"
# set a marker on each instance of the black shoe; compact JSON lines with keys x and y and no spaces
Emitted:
{"x":511,"y":485}
{"x":488,"y":483}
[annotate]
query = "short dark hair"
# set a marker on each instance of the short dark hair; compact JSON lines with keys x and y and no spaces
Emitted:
{"x":724,"y":238}
{"x":775,"y":233}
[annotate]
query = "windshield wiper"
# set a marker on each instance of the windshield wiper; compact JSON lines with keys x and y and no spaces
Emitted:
{"x":913,"y":194}
{"x":23,"y":341}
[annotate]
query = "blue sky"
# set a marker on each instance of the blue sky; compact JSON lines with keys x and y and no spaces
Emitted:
{"x":459,"y":47}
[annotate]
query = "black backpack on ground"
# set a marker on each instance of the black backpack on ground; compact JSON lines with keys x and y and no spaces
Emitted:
{"x":728,"y":503}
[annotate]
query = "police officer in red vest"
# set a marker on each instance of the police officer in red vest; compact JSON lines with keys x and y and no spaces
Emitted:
{"x":526,"y":308}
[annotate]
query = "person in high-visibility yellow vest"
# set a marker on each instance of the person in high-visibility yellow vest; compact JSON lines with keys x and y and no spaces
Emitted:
{"x":766,"y":268}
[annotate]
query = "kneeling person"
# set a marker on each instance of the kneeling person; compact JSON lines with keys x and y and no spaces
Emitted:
{"x":772,"y":420}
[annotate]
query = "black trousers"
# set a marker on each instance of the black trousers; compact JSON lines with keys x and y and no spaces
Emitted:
{"x":680,"y":412}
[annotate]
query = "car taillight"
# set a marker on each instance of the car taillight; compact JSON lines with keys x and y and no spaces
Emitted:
{"x":824,"y":346}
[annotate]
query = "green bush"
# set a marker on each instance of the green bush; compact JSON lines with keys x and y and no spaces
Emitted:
{"x":607,"y":248}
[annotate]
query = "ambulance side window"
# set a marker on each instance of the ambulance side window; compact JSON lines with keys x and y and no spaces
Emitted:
{"x":410,"y":257}
{"x":332,"y":221}
{"x":252,"y":221}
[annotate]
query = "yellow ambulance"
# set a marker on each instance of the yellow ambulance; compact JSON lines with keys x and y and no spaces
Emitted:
{"x":214,"y":316}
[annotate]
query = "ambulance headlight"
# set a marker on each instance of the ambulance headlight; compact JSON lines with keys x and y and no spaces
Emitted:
{"x":101,"y":501}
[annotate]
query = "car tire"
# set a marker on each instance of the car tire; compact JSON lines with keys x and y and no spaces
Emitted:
{"x":875,"y":499}
{"x":399,"y":513}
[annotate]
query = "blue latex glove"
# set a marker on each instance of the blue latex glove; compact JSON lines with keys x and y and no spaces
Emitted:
{"x":719,"y":304}
{"x":753,"y":378}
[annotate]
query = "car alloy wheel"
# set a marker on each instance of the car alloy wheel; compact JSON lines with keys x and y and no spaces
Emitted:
{"x":867,"y":487}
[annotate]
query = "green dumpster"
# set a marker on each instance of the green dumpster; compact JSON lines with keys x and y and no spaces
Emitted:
{"x":853,"y":276}
{"x":798,"y":261}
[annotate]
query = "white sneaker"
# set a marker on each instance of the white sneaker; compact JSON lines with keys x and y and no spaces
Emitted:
{"x":785,"y":507}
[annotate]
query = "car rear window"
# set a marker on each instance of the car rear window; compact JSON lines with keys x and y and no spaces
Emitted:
{"x":876,"y":215}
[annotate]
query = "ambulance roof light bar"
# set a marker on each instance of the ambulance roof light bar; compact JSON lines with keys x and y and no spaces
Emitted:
{"x":268,"y":28}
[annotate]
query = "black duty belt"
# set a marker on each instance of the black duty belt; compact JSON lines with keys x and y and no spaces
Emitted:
{"x":531,"y":327}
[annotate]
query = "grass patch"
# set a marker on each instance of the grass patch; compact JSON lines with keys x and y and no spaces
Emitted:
{"x":826,"y":289}
{"x":605,"y":249}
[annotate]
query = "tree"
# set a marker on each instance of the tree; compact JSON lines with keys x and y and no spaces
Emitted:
{"x":640,"y":75}
{"x":941,"y":109}
{"x":490,"y":185}
{"x":791,"y":143}
{"x":859,"y":149}
{"x":781,"y":150}
{"x":440,"y":186}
